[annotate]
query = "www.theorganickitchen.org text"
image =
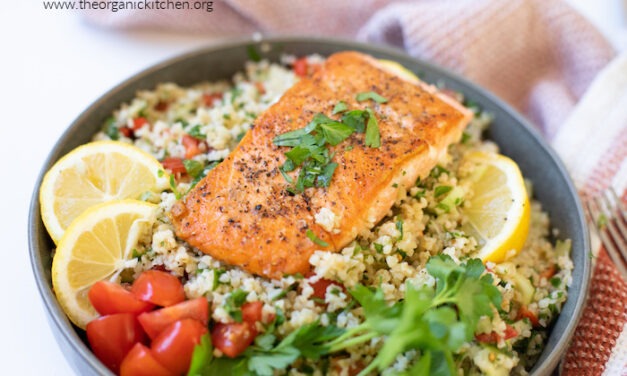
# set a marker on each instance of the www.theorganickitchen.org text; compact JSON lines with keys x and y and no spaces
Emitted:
{"x":115,"y":6}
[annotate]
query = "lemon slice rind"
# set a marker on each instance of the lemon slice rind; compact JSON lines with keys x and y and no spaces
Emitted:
{"x":93,"y":173}
{"x":97,"y":245}
{"x":499,"y":212}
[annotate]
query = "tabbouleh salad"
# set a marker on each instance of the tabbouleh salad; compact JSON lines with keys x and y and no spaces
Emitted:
{"x":192,"y":129}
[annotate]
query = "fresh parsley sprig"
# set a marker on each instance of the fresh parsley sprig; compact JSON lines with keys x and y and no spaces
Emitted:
{"x":435,"y":321}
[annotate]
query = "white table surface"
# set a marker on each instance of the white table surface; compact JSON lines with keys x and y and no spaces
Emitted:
{"x":53,"y":67}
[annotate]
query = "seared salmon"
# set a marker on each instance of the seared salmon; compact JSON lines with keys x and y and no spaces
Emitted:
{"x":242,"y":212}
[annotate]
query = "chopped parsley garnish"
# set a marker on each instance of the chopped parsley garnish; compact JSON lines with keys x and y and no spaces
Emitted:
{"x":340,"y":107}
{"x":234,"y":303}
{"x":176,"y":192}
{"x":111,"y":130}
{"x":310,"y":146}
{"x":465,"y":137}
{"x":193,"y":168}
{"x":315,"y":239}
{"x":370,"y":95}
{"x":196,"y":133}
{"x":378,"y":247}
{"x":356,"y":119}
{"x":216,"y":278}
{"x":432,"y":320}
{"x":438,"y":170}
{"x":239,"y":137}
{"x":373,"y":137}
{"x":399,"y":227}
{"x":441,"y":190}
{"x":253,"y":54}
{"x":442,"y":206}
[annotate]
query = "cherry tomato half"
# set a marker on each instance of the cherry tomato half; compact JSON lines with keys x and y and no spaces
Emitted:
{"x":109,"y":298}
{"x":233,"y":338}
{"x":156,"y":321}
{"x":157,"y":287}
{"x":112,"y":337}
{"x":174,"y":347}
{"x":141,"y":362}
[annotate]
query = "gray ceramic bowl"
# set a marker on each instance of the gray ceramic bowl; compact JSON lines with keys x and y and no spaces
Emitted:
{"x":510,"y":131}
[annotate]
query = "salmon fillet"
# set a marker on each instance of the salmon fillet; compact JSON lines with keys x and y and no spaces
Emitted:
{"x":242,"y":214}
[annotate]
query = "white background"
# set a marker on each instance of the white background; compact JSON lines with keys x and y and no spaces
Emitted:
{"x":52,"y":67}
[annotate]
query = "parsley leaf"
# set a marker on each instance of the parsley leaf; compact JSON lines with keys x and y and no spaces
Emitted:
{"x":373,"y":137}
{"x":324,"y":179}
{"x":111,"y":130}
{"x":340,"y":107}
{"x":253,"y":54}
{"x":315,"y":239}
{"x":201,"y":357}
{"x":356,"y":119}
{"x":298,"y":155}
{"x":196,"y":132}
{"x":399,"y":227}
{"x":370,"y":95}
{"x":336,"y":132}
{"x":442,"y":189}
{"x":193,"y":168}
{"x":234,"y":303}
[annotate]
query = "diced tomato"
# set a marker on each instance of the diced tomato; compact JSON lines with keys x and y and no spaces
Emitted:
{"x":549,"y":272}
{"x":260,"y":88}
{"x":523,"y":312}
{"x":491,"y":337}
{"x":233,"y":338}
{"x":210,"y":99}
{"x":139,"y":122}
{"x":156,"y":321}
{"x":161,"y":106}
{"x":300,"y":67}
{"x":109,"y":298}
{"x":127,"y":132}
{"x":510,"y":332}
{"x":251,"y":312}
{"x":192,"y":146}
{"x":175,"y":165}
{"x":160,"y":288}
{"x":112,"y":337}
{"x":321,"y":285}
{"x":175,"y":345}
{"x":141,"y":362}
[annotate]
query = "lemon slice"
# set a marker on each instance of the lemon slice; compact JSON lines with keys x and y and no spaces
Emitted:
{"x":97,"y":245}
{"x":498,"y":212}
{"x":396,"y":68}
{"x":94,"y":173}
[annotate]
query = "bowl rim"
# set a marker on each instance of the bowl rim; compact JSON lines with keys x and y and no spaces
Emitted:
{"x":61,"y":323}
